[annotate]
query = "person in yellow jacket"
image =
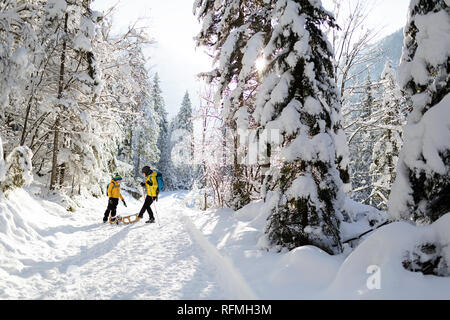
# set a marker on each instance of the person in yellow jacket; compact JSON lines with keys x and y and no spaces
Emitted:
{"x":113,"y":195}
{"x":151,"y":187}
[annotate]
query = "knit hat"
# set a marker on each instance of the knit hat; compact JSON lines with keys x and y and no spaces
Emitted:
{"x":117,"y":177}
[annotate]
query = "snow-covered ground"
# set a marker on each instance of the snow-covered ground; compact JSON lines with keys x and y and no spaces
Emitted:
{"x":47,"y":252}
{"x":373,"y":270}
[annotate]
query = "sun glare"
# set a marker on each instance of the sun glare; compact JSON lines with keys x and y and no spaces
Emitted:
{"x":260,"y":64}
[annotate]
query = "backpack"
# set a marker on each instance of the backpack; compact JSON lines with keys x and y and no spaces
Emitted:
{"x":160,"y":180}
{"x":107,"y":187}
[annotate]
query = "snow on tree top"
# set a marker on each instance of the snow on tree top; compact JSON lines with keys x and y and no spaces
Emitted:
{"x":433,"y":47}
{"x":56,"y":8}
{"x":429,"y":137}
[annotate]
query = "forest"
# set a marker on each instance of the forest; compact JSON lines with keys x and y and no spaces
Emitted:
{"x":303,"y":114}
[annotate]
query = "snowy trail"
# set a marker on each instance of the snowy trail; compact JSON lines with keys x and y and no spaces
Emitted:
{"x":91,"y":260}
{"x":228,"y":276}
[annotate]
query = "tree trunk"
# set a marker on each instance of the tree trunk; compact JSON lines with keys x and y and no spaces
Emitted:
{"x":73,"y":184}
{"x":138,"y":164}
{"x":54,"y":175}
{"x":25,"y":123}
{"x":62,"y":174}
{"x":203,"y":156}
{"x":53,"y":178}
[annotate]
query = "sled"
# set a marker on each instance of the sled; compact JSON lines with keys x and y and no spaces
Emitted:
{"x":132,"y":218}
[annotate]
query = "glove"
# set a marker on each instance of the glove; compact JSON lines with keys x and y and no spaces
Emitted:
{"x":124,"y":203}
{"x":142,"y":184}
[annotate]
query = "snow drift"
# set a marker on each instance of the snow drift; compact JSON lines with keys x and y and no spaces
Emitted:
{"x":386,"y":252}
{"x":378,"y":268}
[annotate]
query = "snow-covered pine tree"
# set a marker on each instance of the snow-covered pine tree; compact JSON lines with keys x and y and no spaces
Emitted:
{"x":342,"y":150}
{"x":164,"y":163}
{"x":184,"y":118}
{"x":388,"y":138}
{"x":299,"y":98}
{"x":368,"y":101}
{"x":145,"y":126}
{"x":144,"y":136}
{"x":234,"y":32}
{"x":182,"y":145}
{"x":421,"y":191}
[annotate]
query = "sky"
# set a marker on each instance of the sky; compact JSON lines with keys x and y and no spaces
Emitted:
{"x":173,"y":26}
{"x":173,"y":56}
{"x":388,"y":14}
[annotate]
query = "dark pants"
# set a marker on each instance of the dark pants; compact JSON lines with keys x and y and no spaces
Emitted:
{"x":147,"y":203}
{"x":112,"y":208}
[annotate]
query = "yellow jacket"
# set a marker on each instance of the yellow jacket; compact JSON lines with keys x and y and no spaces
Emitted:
{"x":151,"y":185}
{"x":114,"y":190}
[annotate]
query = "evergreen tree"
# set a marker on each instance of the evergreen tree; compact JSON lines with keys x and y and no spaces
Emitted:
{"x":184,"y":117}
{"x":144,"y":142}
{"x":421,"y":191}
{"x":146,"y":126}
{"x":388,"y":139}
{"x":182,"y":145}
{"x":298,"y":97}
{"x":235,"y":31}
{"x":164,"y":163}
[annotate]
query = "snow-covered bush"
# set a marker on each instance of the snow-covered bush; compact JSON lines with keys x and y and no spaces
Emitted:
{"x":428,"y":258}
{"x":197,"y":197}
{"x":18,"y":169}
{"x":430,"y":252}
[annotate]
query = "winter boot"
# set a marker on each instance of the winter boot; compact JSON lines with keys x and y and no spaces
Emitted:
{"x":151,"y":220}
